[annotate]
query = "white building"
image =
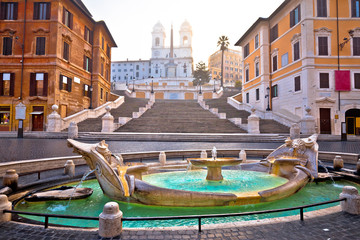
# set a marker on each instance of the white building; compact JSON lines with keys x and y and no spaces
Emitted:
{"x":170,"y":64}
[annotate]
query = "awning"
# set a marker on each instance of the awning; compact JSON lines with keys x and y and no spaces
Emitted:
{"x":36,"y":113}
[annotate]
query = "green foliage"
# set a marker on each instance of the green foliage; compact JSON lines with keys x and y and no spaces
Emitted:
{"x":223,"y":42}
{"x":201,"y":74}
{"x":238,"y":84}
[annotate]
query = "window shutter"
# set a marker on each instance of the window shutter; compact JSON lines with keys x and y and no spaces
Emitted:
{"x":36,"y":11}
{"x":69,"y":84}
{"x":292,"y":18}
{"x":45,"y":86}
{"x":32,"y":84}
{"x":70,"y":20}
{"x":90,"y":65}
{"x":2,"y":11}
{"x":60,"y":81}
{"x":12,"y":84}
{"x":63,"y":18}
{"x":299,"y":13}
{"x":48,"y":10}
{"x":1,"y":84}
{"x":15,"y":11}
{"x":84,"y":89}
{"x":89,"y":92}
{"x":91,"y":37}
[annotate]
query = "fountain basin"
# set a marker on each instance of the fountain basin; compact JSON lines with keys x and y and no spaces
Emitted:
{"x":214,"y":166}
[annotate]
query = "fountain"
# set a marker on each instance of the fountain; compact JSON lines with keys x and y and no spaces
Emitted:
{"x":295,"y":161}
{"x":214,"y":165}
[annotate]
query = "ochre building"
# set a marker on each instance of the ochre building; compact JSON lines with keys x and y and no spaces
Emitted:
{"x":52,"y":52}
{"x":306,"y":54}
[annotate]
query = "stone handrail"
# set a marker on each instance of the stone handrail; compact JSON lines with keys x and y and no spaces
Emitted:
{"x":91,"y":113}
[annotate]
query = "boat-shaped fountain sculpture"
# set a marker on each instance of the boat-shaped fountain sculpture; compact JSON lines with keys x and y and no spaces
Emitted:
{"x":296,"y":161}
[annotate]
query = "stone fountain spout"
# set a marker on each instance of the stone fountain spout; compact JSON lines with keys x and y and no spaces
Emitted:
{"x":214,"y":153}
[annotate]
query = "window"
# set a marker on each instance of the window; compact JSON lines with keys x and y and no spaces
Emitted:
{"x":322,"y":8}
{"x":246,"y":74}
{"x":7,"y":81}
{"x":101,"y":93}
{"x":256,"y":41}
{"x":7,"y":46}
{"x":257,"y":91}
{"x":257,"y":70}
{"x":274,"y":33}
{"x":119,"y":70}
{"x":246,"y":50}
{"x":38,"y":84}
{"x":41,"y":11}
{"x":9,"y":11}
{"x":108,"y":50}
{"x":284,"y":60}
{"x":137,"y":74}
{"x":67,"y":18}
{"x":40,"y":46}
{"x":88,"y":64}
{"x":107,"y":74}
{"x":355,"y":8}
{"x":296,"y":49}
{"x":247,"y":98}
{"x":356,"y":46}
{"x":357,"y":80}
{"x":86,"y":91}
{"x":157,"y":42}
{"x":119,"y":77}
{"x":324,"y":80}
{"x":295,"y":16}
{"x":323,"y":46}
{"x":88,"y":35}
{"x":66,"y":51}
{"x":297,"y":84}
{"x":4,"y":116}
{"x":274,"y":63}
{"x":274,"y":91}
{"x":65,"y":83}
{"x":102,"y":69}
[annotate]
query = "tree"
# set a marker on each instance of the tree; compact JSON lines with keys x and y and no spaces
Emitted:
{"x":223,"y":42}
{"x":238,"y":84}
{"x":201,"y":74}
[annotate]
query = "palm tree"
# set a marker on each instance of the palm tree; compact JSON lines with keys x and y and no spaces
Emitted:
{"x":223,"y":42}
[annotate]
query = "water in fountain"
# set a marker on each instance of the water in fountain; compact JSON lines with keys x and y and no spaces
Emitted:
{"x":64,"y":207}
{"x":213,"y":153}
{"x":327,"y":171}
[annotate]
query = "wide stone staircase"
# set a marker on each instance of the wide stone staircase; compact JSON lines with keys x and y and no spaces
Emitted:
{"x":179,"y":116}
{"x":266,"y":125}
{"x":125,"y":110}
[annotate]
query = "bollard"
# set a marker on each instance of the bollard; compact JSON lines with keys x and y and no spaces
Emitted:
{"x":4,"y":205}
{"x":110,"y":224}
{"x":11,"y":179}
{"x":352,"y":203}
{"x":162,"y":158}
{"x":338,"y":163}
{"x":69,"y":168}
{"x":242,"y":155}
{"x":203,"y":154}
{"x":73,"y":130}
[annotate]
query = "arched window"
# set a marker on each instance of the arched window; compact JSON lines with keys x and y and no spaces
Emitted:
{"x":157,"y":41}
{"x":185,"y":40}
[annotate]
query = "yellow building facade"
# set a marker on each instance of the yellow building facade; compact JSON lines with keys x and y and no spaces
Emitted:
{"x":232,"y":66}
{"x":292,"y":61}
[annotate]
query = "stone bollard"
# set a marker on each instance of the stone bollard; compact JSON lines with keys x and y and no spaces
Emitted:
{"x":110,"y":224}
{"x":11,"y":179}
{"x":54,"y":120}
{"x":295,"y":131}
{"x":107,"y":121}
{"x":162,"y":158}
{"x":69,"y":168}
{"x":73,"y":130}
{"x":203,"y":154}
{"x":4,"y":205}
{"x":253,"y":123}
{"x":338,"y":163}
{"x":242,"y":155}
{"x":352,"y":203}
{"x":358,"y":167}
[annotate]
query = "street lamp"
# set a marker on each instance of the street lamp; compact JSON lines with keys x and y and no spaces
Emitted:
{"x":200,"y":86}
{"x":346,"y":40}
{"x":268,"y":97}
{"x":133,"y":85}
{"x":152,"y":86}
{"x":127,"y":84}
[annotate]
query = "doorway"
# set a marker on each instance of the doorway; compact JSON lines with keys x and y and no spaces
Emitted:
{"x":325,"y":121}
{"x":352,"y":117}
{"x":37,"y":118}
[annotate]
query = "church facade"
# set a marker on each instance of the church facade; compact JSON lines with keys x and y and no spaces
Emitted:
{"x":173,"y":64}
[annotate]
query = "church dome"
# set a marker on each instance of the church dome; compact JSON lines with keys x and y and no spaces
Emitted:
{"x":158,"y":27}
{"x":185,"y":26}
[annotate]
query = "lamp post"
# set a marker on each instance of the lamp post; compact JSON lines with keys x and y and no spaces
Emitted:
{"x":152,"y":86}
{"x":133,"y":90}
{"x":268,"y":97}
{"x":200,"y":86}
{"x":127,"y":84}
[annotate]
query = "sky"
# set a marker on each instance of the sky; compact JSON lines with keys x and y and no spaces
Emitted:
{"x":131,"y":22}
